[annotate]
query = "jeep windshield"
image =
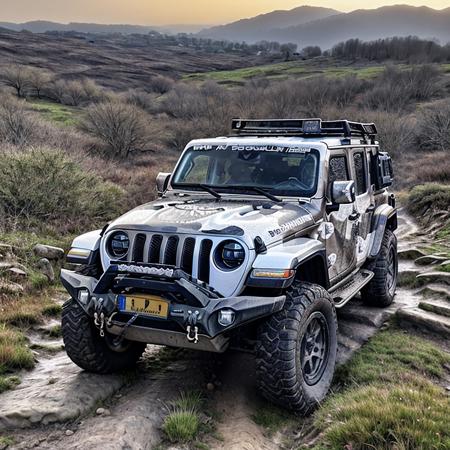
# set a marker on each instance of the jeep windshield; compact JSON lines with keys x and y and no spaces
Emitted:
{"x":277,"y":170}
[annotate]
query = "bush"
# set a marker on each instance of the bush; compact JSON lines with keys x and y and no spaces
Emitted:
{"x":121,"y":127}
{"x":41,"y":186}
{"x":425,"y":199}
{"x":160,"y":84}
{"x":434,"y":126}
{"x":17,"y":126}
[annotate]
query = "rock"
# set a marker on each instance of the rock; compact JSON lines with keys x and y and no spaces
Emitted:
{"x":16,"y":273}
{"x":411,"y":253}
{"x":46,"y":268}
{"x":429,"y":259}
{"x":6,"y":265}
{"x":107,"y":412}
{"x":69,"y":432}
{"x":38,"y":403}
{"x":10,"y":288}
{"x":100,"y":411}
{"x":210,"y":386}
{"x":49,"y":252}
{"x":434,"y":277}
{"x":415,"y":318}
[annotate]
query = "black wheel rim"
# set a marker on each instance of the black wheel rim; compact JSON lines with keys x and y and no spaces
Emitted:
{"x":314,"y":348}
{"x":391,"y":275}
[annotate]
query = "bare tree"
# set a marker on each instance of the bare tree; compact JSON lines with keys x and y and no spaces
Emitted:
{"x":16,"y":77}
{"x":38,"y":80}
{"x":119,"y":126}
{"x":434,"y":126}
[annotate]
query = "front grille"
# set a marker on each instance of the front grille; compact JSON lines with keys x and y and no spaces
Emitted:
{"x":174,"y":250}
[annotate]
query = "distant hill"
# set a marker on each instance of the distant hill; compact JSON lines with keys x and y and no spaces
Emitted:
{"x":368,"y":24}
{"x":259,"y":27}
{"x":42,"y":26}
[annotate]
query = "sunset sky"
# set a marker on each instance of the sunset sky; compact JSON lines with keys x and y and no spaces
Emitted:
{"x":163,"y":12}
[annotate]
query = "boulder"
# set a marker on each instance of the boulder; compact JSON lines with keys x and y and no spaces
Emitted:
{"x":10,"y":288}
{"x":46,"y":268}
{"x":17,"y":274}
{"x":48,"y":252}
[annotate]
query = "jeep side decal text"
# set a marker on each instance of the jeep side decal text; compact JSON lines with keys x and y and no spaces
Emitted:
{"x":290,"y":225}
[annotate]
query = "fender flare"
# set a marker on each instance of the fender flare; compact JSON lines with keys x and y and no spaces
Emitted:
{"x":385,"y":216}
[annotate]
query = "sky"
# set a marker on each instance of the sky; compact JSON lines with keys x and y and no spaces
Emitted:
{"x":167,"y":12}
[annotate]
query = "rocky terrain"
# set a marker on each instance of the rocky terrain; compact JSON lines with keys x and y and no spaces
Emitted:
{"x":57,"y":405}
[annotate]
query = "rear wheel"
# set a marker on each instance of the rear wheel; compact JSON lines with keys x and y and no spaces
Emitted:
{"x":380,"y":290}
{"x":297,"y":348}
{"x":88,"y":350}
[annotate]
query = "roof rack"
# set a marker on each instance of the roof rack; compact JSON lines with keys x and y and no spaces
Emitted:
{"x":303,"y":127}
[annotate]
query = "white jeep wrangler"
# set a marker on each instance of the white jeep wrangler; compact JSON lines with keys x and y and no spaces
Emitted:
{"x":255,"y":240}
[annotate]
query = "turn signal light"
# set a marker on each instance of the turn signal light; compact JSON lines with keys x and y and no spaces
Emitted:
{"x":272,"y":273}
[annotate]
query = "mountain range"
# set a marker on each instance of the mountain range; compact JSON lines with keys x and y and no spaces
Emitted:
{"x":308,"y":25}
{"x":305,"y":25}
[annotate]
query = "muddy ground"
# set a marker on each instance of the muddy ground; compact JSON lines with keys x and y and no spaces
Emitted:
{"x":59,"y":406}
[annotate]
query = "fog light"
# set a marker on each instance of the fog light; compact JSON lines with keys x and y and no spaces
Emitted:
{"x":226,"y":317}
{"x":83,"y":296}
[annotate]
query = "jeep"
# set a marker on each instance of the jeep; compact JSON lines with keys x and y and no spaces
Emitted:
{"x":254,"y":242}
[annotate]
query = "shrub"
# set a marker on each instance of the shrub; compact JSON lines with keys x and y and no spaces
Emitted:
{"x":121,"y":127}
{"x":14,"y":353}
{"x":17,"y":77}
{"x":434,"y":126}
{"x":17,"y":126}
{"x":425,"y":199}
{"x":160,"y":84}
{"x":42,"y":186}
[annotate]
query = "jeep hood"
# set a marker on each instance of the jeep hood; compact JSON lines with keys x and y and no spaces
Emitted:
{"x":245,"y":219}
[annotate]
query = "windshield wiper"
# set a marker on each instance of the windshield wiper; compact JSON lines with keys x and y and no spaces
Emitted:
{"x":209,"y":189}
{"x":255,"y":189}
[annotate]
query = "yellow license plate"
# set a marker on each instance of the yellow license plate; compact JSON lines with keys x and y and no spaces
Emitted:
{"x":151,"y":305}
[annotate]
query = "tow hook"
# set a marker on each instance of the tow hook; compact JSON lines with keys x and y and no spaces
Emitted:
{"x":192,"y":328}
{"x":99,"y":320}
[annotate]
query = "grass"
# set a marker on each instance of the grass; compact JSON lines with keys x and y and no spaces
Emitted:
{"x":182,"y":424}
{"x":14,"y":353}
{"x":388,"y":400}
{"x":55,"y":112}
{"x":55,"y":331}
{"x":271,"y":418}
{"x":8,"y":382}
{"x":5,"y":441}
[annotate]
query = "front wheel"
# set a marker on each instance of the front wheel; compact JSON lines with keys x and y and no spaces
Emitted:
{"x":88,"y":350}
{"x":297,"y":348}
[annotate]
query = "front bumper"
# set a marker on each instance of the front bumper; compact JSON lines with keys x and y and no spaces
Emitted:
{"x":192,"y":303}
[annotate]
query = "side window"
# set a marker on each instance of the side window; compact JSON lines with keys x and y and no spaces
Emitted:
{"x":360,"y":172}
{"x":337,"y":171}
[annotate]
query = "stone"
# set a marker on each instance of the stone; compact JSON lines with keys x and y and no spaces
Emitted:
{"x":415,"y":318}
{"x":69,"y":432}
{"x":100,"y":411}
{"x":46,"y":268}
{"x":210,"y":386}
{"x":16,"y":273}
{"x":10,"y":288}
{"x":411,"y":253}
{"x":49,"y":252}
{"x":38,"y":403}
{"x":429,"y":259}
{"x":434,"y":277}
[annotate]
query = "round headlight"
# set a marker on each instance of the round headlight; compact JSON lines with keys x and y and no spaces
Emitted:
{"x":118,"y":245}
{"x":229,"y":255}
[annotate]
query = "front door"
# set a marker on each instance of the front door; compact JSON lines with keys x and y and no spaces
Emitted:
{"x":338,"y":229}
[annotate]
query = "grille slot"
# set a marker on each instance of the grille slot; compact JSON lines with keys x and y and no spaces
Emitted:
{"x":187,"y":256}
{"x":138,"y":248}
{"x":170,"y":253}
{"x":155,"y":248}
{"x":203,"y":260}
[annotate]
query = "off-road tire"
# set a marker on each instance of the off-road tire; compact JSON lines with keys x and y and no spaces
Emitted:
{"x":88,"y":350}
{"x":281,"y":377}
{"x":380,"y":290}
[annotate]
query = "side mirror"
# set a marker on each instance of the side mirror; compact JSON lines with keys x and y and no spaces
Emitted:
{"x":343,"y":192}
{"x":162,"y":181}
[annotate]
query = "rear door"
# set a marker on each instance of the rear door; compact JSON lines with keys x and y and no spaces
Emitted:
{"x":363,"y":209}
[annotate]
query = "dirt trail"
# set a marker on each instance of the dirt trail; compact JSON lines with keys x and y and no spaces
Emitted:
{"x":56,"y":403}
